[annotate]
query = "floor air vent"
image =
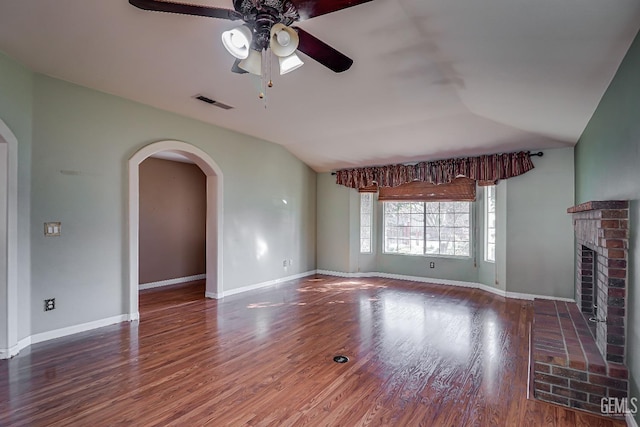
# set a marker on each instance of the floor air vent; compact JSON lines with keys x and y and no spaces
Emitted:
{"x":213,"y":102}
{"x":341,"y":359}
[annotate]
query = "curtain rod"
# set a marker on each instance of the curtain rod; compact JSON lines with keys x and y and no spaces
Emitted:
{"x":538,"y":154}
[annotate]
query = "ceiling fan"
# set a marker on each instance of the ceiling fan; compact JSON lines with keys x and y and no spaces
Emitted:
{"x":267,"y":24}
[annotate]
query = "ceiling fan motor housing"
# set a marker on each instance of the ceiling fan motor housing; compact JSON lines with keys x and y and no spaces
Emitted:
{"x":261,"y":15}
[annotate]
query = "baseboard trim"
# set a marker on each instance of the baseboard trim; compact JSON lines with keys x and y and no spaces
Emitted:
{"x":169,"y":282}
{"x":473,"y":285}
{"x":8,"y":353}
{"x":83,"y":327}
{"x":259,"y":285}
{"x":631,"y":421}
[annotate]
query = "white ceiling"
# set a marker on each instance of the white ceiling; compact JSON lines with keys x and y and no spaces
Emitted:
{"x":430,"y":79}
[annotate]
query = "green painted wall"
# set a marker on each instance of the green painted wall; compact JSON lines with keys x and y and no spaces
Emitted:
{"x":74,"y":145}
{"x":539,"y":232}
{"x":16,"y":110}
{"x":333,"y":228}
{"x":82,"y":140}
{"x":608,"y":168}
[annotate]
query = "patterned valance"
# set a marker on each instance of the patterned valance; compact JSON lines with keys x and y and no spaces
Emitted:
{"x":492,"y":167}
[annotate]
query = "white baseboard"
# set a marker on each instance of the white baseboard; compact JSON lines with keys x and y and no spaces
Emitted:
{"x":83,"y":327}
{"x":473,"y":285}
{"x":8,"y":353}
{"x":631,"y":422}
{"x":259,"y":285}
{"x":170,"y":282}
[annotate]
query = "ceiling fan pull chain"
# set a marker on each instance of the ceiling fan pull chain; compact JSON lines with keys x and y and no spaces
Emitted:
{"x":270,"y":60}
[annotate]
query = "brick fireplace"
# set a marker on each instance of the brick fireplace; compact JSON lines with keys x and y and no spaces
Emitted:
{"x":578,"y":350}
{"x":602,"y":241}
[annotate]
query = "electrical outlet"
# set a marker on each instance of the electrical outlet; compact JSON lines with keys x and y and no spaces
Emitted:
{"x":49,"y":304}
{"x":284,"y":263}
{"x":432,"y":265}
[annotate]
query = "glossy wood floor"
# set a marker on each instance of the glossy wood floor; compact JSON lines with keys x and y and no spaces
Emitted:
{"x":419,"y":354}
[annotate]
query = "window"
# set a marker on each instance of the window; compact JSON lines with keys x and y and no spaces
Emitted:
{"x":490,"y":223}
{"x":427,"y":228}
{"x":366,"y":222}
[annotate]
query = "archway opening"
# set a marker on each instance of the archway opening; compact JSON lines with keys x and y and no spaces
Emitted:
{"x":213,"y":218}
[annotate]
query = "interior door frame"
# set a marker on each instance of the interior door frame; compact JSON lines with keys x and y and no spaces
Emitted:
{"x":9,"y":240}
{"x":214,"y":220}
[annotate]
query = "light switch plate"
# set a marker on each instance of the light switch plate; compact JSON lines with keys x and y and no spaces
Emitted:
{"x":52,"y":229}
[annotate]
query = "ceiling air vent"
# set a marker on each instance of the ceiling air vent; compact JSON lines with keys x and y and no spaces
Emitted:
{"x":213,"y":102}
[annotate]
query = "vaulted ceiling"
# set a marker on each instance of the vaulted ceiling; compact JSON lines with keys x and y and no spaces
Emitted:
{"x":430,"y":79}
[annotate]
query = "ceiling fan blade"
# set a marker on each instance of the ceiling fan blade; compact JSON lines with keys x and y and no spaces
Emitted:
{"x":322,"y":52}
{"x":186,"y":9}
{"x":236,"y":69}
{"x":310,"y":8}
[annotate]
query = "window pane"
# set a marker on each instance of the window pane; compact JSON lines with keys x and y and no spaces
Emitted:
{"x":417,"y":247}
{"x":417,"y":207}
{"x":432,"y":207}
{"x":447,"y":248}
{"x":366,"y":222}
{"x":447,"y":220}
{"x":491,"y":220}
{"x":434,"y":228}
{"x":491,"y":252}
{"x":417,"y":220}
{"x":433,"y":247}
{"x":417,"y":233}
{"x":449,"y":207}
{"x":404,"y":246}
{"x":462,"y":249}
{"x":446,"y":234}
{"x":461,"y":234}
{"x":432,"y":233}
{"x":365,"y":233}
{"x":490,"y":224}
{"x":462,"y":207}
{"x":432,"y":220}
{"x":462,"y":220}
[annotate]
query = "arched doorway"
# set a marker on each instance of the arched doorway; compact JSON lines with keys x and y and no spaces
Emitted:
{"x":214,"y":216}
{"x":8,"y":242}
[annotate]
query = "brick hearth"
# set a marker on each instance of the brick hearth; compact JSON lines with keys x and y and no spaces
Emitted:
{"x":568,"y":367}
{"x":579,"y":348}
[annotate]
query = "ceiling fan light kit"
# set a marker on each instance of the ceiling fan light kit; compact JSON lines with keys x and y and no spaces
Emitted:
{"x":238,"y":41}
{"x":289,"y":63}
{"x":267,"y":27}
{"x":284,"y":40}
{"x":252,"y":63}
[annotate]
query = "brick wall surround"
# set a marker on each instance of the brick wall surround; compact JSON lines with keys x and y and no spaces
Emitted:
{"x":603,"y":227}
{"x":577,"y":362}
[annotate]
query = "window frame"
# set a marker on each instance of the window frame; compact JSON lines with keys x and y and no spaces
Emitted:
{"x":489,"y":191}
{"x":370,"y":226}
{"x":424,"y":231}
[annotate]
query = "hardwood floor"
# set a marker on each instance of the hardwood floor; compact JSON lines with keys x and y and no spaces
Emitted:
{"x":427,"y":355}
